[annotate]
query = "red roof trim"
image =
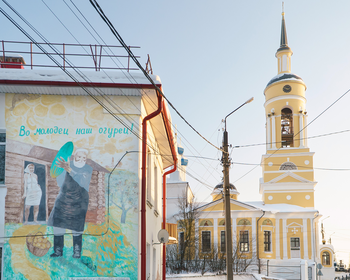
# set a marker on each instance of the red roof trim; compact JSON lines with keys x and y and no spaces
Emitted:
{"x":74,"y":84}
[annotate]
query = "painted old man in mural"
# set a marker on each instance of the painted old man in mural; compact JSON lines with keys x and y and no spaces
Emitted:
{"x":71,"y":203}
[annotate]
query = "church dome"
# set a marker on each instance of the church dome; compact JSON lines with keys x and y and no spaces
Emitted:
{"x":284,"y":77}
{"x":220,"y":186}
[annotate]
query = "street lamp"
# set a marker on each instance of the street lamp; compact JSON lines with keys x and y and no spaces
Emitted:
{"x":226,"y":164}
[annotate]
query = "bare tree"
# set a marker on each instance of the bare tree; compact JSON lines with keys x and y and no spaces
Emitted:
{"x":187,"y":217}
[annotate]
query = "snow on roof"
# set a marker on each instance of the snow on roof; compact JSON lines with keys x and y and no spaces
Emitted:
{"x":118,"y":77}
{"x":278,"y":208}
{"x":285,"y":77}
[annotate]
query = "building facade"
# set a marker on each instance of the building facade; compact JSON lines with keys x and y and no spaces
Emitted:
{"x":278,"y":235}
{"x":74,"y":202}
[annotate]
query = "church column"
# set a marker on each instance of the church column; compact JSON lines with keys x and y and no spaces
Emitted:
{"x":215,"y":237}
{"x":301,"y":134}
{"x":305,"y":134}
{"x":234,"y":233}
{"x":273,"y":126}
{"x":268,"y":133}
{"x":254,"y":236}
{"x":277,"y":241}
{"x":196,"y":227}
{"x":306,"y":251}
{"x":285,"y":247}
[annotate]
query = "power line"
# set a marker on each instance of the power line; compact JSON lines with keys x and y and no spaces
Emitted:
{"x":119,"y":38}
{"x":112,"y":59}
{"x":296,"y":133}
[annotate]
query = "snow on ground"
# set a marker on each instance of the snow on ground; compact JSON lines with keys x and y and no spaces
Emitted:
{"x":213,"y":276}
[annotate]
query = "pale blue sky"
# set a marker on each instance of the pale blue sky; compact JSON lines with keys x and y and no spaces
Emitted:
{"x":214,"y":55}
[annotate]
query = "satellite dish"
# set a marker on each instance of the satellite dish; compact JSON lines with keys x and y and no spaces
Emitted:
{"x":163,"y":236}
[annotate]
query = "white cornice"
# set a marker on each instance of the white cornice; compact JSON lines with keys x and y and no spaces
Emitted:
{"x":288,"y":186}
{"x":283,"y":97}
{"x":289,"y":154}
{"x":290,"y":191}
{"x":294,"y":170}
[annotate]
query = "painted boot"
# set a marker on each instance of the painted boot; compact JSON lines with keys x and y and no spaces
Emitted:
{"x":77,"y":243}
{"x":58,"y":244}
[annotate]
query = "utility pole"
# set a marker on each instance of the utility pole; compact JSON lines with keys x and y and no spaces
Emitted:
{"x":226,"y":162}
{"x":228,"y":233}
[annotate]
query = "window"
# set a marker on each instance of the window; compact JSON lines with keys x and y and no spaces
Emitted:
{"x":182,"y":241}
{"x":223,"y":242}
{"x":244,"y":241}
{"x":326,"y":258}
{"x":295,"y":243}
{"x":149,"y":176}
{"x":288,"y":166}
{"x":267,"y":241}
{"x":205,"y":241}
{"x":287,"y":127}
{"x":2,"y":155}
{"x":155,"y":187}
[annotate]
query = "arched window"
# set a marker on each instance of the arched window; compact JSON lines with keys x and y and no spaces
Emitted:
{"x":267,"y":222}
{"x":206,"y":223}
{"x":244,"y":222}
{"x":287,"y":127}
{"x":222,"y":223}
{"x":288,"y":166}
{"x":326,"y":258}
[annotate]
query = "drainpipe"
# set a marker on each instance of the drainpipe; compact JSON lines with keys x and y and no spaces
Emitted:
{"x":314,"y":238}
{"x":257,"y":240}
{"x":164,"y":216}
{"x":174,"y":154}
{"x":143,"y":184}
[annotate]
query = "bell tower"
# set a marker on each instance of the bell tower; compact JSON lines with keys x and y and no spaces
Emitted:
{"x":288,"y":176}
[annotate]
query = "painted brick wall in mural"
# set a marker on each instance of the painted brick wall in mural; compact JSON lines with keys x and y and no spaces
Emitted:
{"x":67,"y":214}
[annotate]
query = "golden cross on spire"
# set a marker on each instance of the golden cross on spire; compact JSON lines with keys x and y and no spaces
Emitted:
{"x":282,"y":8}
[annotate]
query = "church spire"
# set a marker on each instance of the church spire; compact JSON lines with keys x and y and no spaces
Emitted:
{"x":284,"y":52}
{"x":284,"y":41}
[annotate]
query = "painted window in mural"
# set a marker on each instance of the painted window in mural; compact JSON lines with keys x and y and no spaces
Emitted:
{"x":2,"y":156}
{"x":206,"y":241}
{"x":244,"y":241}
{"x":34,"y":193}
{"x":77,"y":210}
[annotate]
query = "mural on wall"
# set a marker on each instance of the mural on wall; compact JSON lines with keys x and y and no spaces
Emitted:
{"x":60,"y":151}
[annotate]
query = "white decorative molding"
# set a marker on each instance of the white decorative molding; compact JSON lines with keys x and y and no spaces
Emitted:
{"x":284,"y":227}
{"x":273,"y":125}
{"x":278,"y":257}
{"x":215,"y":232}
{"x":291,"y":174}
{"x":283,"y":97}
{"x":306,"y":253}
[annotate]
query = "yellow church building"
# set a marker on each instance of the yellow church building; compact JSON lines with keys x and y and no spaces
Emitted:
{"x":280,"y":233}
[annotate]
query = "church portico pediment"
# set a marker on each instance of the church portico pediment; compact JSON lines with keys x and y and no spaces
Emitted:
{"x":289,"y":177}
{"x":218,"y":205}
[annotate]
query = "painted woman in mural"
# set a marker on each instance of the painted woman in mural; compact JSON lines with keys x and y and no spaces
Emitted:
{"x":72,"y":202}
{"x":32,"y":192}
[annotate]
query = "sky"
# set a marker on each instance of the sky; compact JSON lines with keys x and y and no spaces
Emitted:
{"x":212,"y":56}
